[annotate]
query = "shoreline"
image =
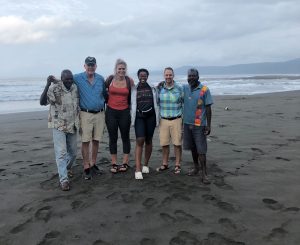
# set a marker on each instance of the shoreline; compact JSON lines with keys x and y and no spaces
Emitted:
{"x":253,"y":163}
{"x":46,"y":108}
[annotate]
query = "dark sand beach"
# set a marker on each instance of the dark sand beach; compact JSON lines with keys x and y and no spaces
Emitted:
{"x":254,"y":196}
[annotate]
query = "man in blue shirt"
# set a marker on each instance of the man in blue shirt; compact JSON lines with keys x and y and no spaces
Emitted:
{"x":197,"y":121}
{"x":92,"y":94}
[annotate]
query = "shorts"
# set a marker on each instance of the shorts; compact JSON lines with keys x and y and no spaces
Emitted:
{"x":145,"y":126}
{"x":194,"y":138}
{"x":91,"y":126}
{"x":170,"y":130}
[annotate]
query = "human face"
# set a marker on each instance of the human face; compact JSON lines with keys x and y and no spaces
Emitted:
{"x":193,"y":79}
{"x":168,"y":74}
{"x":143,"y":77}
{"x":121,"y":70}
{"x":67,"y":78}
{"x":90,"y":69}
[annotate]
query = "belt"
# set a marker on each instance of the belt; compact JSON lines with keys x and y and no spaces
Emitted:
{"x":91,"y":111}
{"x":171,"y":118}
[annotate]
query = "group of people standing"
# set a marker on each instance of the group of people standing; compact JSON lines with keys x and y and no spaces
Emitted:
{"x":85,"y":102}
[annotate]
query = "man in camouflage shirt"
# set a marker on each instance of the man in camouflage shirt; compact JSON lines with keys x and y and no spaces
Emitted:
{"x":63,"y":118}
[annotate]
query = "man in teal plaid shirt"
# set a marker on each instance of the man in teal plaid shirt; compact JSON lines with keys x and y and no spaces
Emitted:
{"x":170,"y":100}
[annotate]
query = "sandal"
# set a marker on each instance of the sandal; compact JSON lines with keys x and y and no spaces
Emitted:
{"x":114,"y":168}
{"x":162,"y":168}
{"x":124,"y":167}
{"x":177,"y":170}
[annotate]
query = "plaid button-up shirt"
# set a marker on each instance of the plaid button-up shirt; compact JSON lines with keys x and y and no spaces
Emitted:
{"x":170,"y":101}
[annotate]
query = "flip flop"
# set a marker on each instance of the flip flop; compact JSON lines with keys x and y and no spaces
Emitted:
{"x":162,"y":168}
{"x":114,"y":168}
{"x":177,"y":170}
{"x":124,"y":167}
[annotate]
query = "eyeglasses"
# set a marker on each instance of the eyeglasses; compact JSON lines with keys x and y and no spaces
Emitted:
{"x":90,"y":64}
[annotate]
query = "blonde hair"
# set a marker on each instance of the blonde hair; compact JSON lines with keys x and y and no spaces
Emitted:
{"x":120,"y":62}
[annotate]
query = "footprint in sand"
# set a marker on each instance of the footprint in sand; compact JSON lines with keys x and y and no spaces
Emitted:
{"x":49,"y":238}
{"x":113,"y":196}
{"x":272,"y":204}
{"x":220,"y":204}
{"x":292,"y":209}
{"x":43,"y":213}
{"x":277,"y":233}
{"x":216,"y":238}
{"x":130,"y":198}
{"x":166,"y":201}
{"x":15,"y":151}
{"x":167,"y":218}
{"x":100,"y":242}
{"x":182,"y":216}
{"x":51,"y":183}
{"x":282,"y":158}
{"x":36,"y":164}
{"x":180,"y":196}
{"x":220,"y":182}
{"x":257,"y":150}
{"x":77,"y":204}
{"x":147,"y":241}
{"x":20,"y":227}
{"x":228,"y":224}
{"x":149,"y":202}
{"x":184,"y":237}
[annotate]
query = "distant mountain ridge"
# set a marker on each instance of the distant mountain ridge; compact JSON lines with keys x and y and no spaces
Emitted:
{"x":286,"y":67}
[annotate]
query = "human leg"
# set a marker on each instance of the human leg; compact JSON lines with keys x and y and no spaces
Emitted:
{"x":112,"y":128}
{"x":60,"y":149}
{"x":138,"y":153}
{"x":177,"y":153}
{"x":98,"y":128}
{"x":202,"y":159}
{"x":124,"y":123}
{"x":71,"y":149}
{"x":176,"y":136}
{"x":201,"y":144}
{"x":150,"y":127}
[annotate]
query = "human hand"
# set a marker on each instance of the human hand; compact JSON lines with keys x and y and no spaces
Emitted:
{"x":51,"y":79}
{"x":207,"y":130}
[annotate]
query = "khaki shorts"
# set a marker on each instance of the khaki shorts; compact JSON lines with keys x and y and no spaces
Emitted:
{"x":91,"y":126}
{"x":170,"y":129}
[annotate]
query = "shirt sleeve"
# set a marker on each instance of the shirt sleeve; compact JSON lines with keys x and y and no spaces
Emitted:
{"x":208,"y":98}
{"x":50,"y":95}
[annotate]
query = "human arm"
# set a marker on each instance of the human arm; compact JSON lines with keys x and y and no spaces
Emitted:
{"x":43,"y":98}
{"x":208,"y":119}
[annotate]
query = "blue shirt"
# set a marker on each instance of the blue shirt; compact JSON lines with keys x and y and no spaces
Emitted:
{"x":195,"y":100}
{"x":91,"y":95}
{"x":170,"y":101}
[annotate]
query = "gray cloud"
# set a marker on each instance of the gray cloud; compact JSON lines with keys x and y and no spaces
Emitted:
{"x":154,"y":34}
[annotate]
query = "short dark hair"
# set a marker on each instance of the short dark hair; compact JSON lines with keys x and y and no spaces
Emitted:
{"x":169,"y":68}
{"x":142,"y":70}
{"x":65,"y":73}
{"x":193,"y":70}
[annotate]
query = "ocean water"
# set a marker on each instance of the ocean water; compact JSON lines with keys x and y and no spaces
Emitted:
{"x":22,"y":94}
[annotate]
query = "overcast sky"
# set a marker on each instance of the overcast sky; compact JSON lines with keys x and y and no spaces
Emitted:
{"x":43,"y":37}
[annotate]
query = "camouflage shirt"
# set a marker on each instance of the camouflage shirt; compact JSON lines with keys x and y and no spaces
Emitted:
{"x":64,"y":108}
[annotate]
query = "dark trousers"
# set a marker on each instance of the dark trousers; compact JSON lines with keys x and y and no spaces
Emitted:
{"x":118,"y":119}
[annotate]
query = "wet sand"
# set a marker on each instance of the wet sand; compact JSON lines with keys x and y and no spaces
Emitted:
{"x":253,"y":163}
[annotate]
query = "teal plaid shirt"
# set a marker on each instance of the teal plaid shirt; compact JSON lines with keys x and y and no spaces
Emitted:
{"x":170,"y":100}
